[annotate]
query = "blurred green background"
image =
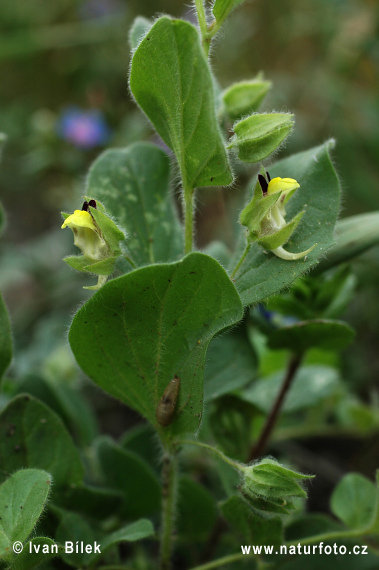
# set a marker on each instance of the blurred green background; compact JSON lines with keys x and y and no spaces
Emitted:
{"x":64,"y":97}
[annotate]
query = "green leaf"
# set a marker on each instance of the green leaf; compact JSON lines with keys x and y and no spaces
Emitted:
{"x":67,"y":402}
{"x":260,"y":135}
{"x":31,"y":435}
{"x":6,"y":349}
{"x":78,"y":262}
{"x":311,"y":524}
{"x":133,"y":185}
{"x":263,"y":274}
{"x":142,"y":329}
{"x":94,"y":502}
{"x":141,"y":439}
{"x":74,"y":528}
{"x":35,"y":552}
{"x":197,"y":513}
{"x":311,"y":385}
{"x":353,"y":236}
{"x":250,"y":525}
{"x":138,"y":30}
{"x":171,"y":81}
{"x":354,"y":501}
{"x":138,"y":530}
{"x":245,"y":97}
{"x":125,"y":471}
{"x":231,"y":363}
{"x":22,"y":499}
{"x":222,"y":8}
{"x":319,"y":333}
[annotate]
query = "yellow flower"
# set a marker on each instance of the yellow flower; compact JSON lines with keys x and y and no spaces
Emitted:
{"x":265,"y":215}
{"x":284,"y":185}
{"x":87,"y":236}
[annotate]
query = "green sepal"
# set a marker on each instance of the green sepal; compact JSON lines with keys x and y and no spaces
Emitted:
{"x":245,"y":96}
{"x":109,"y":230}
{"x":104,"y":267}
{"x":281,"y":236}
{"x":78,"y":262}
{"x":256,"y":210}
{"x":260,"y":135}
{"x":279,"y":506}
{"x":269,"y":480}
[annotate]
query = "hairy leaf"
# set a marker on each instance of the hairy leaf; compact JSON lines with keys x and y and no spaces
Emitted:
{"x":141,"y":330}
{"x":22,"y":498}
{"x":171,"y":81}
{"x":133,"y":185}
{"x":31,"y":435}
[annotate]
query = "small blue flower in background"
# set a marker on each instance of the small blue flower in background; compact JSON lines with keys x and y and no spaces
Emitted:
{"x":84,"y":129}
{"x":100,"y":8}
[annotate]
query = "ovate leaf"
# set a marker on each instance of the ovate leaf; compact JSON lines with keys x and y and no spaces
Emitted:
{"x":22,"y":498}
{"x":133,"y":185}
{"x":171,"y":81}
{"x":354,"y":501}
{"x":262,"y":274}
{"x":31,"y":435}
{"x":141,"y":330}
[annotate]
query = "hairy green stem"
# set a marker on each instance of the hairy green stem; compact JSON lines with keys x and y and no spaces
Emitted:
{"x":224,"y":457}
{"x":188,"y":219}
{"x":206,"y":39}
{"x":259,"y":447}
{"x":169,"y":484}
{"x":247,"y":248}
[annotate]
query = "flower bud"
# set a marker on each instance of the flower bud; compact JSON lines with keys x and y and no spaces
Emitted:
{"x":260,"y":135}
{"x":269,"y":486}
{"x":245,"y":97}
